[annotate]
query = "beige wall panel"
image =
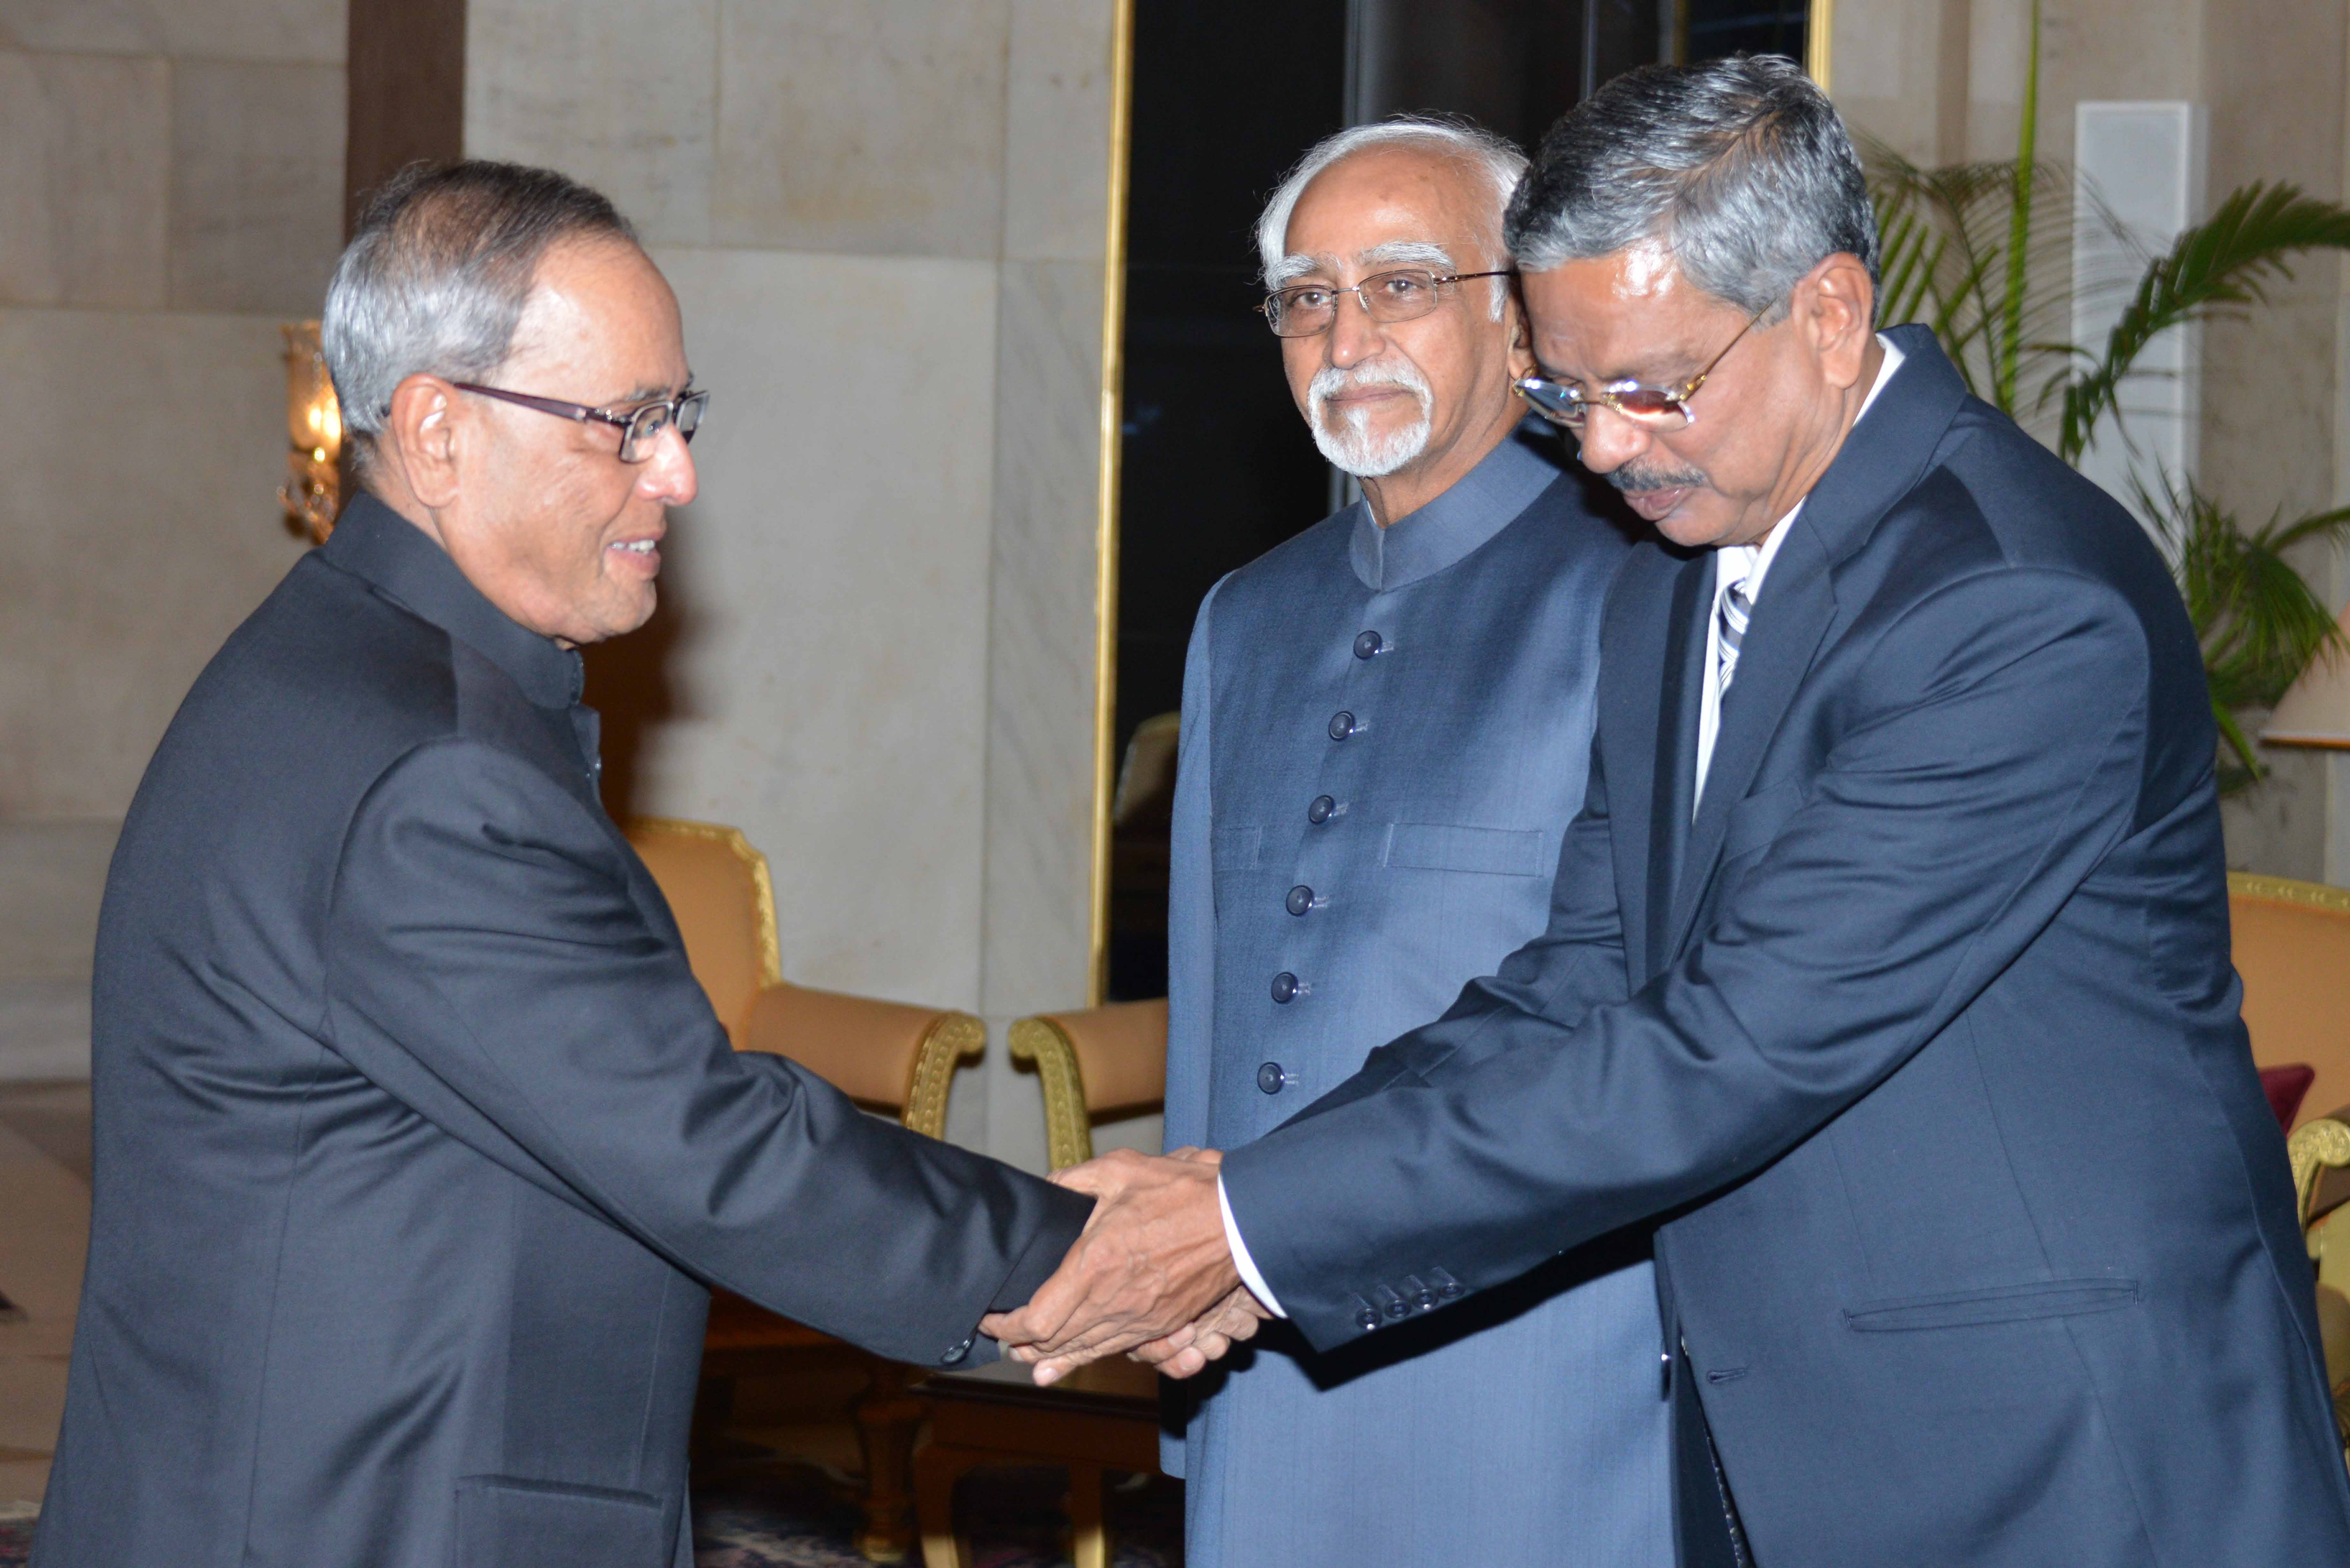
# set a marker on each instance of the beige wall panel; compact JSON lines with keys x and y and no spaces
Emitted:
{"x":828,"y":679}
{"x":257,"y":186}
{"x":83,"y":171}
{"x":874,"y":128}
{"x":1040,"y":740}
{"x":309,"y":31}
{"x":621,"y":95}
{"x":1885,"y":73}
{"x":138,"y":520}
{"x":1057,"y":129}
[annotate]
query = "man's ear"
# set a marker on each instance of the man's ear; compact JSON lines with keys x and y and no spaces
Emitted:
{"x":1838,"y":303}
{"x":422,"y":437}
{"x":1522,"y":337}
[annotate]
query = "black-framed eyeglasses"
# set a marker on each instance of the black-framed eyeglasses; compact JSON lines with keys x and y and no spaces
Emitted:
{"x":641,"y":424}
{"x":1406,"y":294}
{"x":1658,"y":408}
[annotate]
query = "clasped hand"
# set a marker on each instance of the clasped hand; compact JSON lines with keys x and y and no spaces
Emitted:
{"x":1151,"y":1274}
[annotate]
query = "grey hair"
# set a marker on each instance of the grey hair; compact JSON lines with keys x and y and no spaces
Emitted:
{"x":434,"y":280}
{"x":1493,"y":157}
{"x":1740,"y":168}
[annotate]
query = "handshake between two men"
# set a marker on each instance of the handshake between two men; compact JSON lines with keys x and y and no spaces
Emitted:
{"x":1152,"y":1276}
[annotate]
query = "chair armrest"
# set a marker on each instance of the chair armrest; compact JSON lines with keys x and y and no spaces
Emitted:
{"x":887,"y":1053}
{"x":1092,"y":1062}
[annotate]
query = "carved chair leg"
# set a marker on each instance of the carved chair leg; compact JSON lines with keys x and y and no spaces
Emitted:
{"x":1089,"y":1539}
{"x":887,"y":1417}
{"x":936,"y":1471}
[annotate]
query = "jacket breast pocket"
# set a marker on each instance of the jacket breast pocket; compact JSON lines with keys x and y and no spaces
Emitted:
{"x":1755,"y":821}
{"x":1449,"y":847}
{"x":506,"y":1522}
{"x":1999,"y":1304}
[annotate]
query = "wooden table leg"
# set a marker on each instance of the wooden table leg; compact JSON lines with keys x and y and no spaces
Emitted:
{"x":1089,"y":1539}
{"x":887,"y":1417}
{"x":936,"y":1471}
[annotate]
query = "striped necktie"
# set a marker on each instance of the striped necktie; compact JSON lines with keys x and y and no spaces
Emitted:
{"x":1736,"y":606}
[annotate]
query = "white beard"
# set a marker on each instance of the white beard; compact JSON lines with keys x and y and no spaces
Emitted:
{"x":1348,"y":443}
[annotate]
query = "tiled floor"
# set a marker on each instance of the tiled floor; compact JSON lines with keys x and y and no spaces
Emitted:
{"x":44,"y":1230}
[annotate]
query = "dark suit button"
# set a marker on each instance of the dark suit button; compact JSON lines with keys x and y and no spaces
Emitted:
{"x":1398,"y":1307}
{"x":1342,"y":724}
{"x":1367,"y":1320}
{"x":1319,"y":811}
{"x":1300,"y":899}
{"x":1422,"y":1296}
{"x":955,"y":1353}
{"x":1284,"y":986}
{"x":1367,"y":644}
{"x":1269,"y":1078}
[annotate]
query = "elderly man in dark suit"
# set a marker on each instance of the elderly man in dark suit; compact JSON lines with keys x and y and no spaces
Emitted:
{"x":1888,"y":960}
{"x":417,"y":1143}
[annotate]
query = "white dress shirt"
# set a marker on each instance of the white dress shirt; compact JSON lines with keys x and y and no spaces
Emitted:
{"x":1734,"y":564}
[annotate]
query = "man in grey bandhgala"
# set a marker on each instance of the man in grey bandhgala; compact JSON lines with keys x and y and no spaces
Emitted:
{"x":1386,"y":724}
{"x":417,"y":1142}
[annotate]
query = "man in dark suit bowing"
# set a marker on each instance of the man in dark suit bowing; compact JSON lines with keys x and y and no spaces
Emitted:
{"x":417,"y":1142}
{"x":1888,"y":966}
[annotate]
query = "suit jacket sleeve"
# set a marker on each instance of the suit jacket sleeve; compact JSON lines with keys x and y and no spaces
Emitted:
{"x":488,"y":965}
{"x":1991,"y":758}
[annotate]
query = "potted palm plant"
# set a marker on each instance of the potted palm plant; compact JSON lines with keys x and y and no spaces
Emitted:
{"x":1981,"y":252}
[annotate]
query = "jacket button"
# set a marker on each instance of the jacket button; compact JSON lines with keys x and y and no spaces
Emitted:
{"x":955,"y":1353}
{"x":1367,"y":1320}
{"x":1269,"y":1078}
{"x":1398,"y":1307}
{"x":1319,"y":811}
{"x":1367,"y":645}
{"x":1342,"y":724}
{"x":1284,"y":986}
{"x":1300,"y":899}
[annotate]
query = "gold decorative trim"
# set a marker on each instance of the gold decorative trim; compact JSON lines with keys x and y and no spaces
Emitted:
{"x":2323,"y":1142}
{"x":762,"y":882}
{"x":1819,"y":43}
{"x":1113,"y":384}
{"x":955,"y":1038}
{"x":1068,"y":1133}
{"x":2287,"y":890}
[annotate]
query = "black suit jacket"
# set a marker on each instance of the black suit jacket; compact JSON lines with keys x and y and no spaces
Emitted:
{"x":1922,"y":1039}
{"x":417,"y":1142}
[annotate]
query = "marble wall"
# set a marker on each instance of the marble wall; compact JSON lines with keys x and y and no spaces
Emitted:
{"x":170,"y":178}
{"x":886,"y":225}
{"x":1942,"y":80}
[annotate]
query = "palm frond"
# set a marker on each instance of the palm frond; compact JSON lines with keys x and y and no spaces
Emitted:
{"x":2226,"y":261}
{"x":2258,"y":620}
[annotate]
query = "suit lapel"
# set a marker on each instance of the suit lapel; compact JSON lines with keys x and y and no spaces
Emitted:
{"x":1791,"y":617}
{"x":1674,"y":752}
{"x":1886,"y":455}
{"x":1635,"y":638}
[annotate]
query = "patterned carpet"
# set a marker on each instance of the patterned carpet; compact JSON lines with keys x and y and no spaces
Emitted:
{"x":795,"y":1517}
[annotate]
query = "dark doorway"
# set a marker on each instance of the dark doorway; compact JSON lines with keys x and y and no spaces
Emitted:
{"x":1217,"y":465}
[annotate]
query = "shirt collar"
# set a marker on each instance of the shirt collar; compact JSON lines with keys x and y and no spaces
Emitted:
{"x":378,"y":546}
{"x":1479,"y":505}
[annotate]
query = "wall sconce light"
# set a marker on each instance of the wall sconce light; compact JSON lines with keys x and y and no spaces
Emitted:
{"x":312,"y":495}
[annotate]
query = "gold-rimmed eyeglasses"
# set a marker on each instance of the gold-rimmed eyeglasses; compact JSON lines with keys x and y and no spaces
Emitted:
{"x":1406,"y":294}
{"x":1658,"y":408}
{"x":641,"y":424}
